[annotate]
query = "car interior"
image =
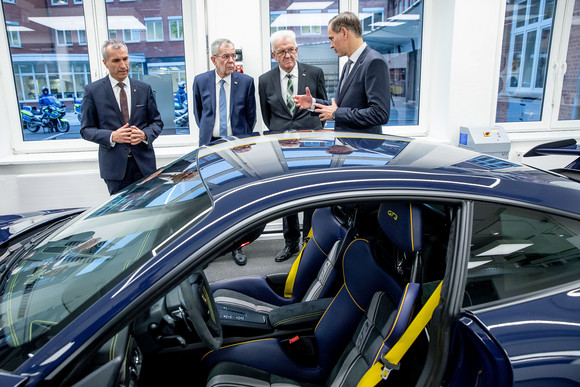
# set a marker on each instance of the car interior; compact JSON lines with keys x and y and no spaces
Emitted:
{"x":361,"y":277}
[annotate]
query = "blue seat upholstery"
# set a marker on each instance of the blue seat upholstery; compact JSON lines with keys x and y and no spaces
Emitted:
{"x":364,"y":280}
{"x":312,"y":274}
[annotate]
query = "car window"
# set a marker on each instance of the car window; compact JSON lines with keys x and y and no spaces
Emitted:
{"x":58,"y":277}
{"x":515,"y":251}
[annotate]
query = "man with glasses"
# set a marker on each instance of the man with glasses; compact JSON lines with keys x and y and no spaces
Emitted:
{"x":276,"y":89}
{"x":224,"y":100}
{"x":224,"y":103}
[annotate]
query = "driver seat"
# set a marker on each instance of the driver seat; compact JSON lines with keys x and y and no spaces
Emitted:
{"x":311,"y":277}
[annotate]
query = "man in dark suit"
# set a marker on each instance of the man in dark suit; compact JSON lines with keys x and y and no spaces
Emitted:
{"x":120,"y":114}
{"x":363,"y":99}
{"x":276,"y":89}
{"x":224,"y":103}
{"x":239,"y":97}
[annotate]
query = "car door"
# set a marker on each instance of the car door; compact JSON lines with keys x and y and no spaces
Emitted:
{"x":521,"y":300}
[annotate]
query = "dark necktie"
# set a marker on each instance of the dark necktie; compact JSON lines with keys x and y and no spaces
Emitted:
{"x":223,"y":110}
{"x":345,"y":72}
{"x":123,"y":102}
{"x":289,"y":94}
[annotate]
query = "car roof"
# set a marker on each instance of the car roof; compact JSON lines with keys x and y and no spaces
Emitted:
{"x":243,"y":163}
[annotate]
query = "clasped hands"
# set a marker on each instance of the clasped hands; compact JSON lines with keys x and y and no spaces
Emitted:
{"x":304,"y":101}
{"x":129,"y":135}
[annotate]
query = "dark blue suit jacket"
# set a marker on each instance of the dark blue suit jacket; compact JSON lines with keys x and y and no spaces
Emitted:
{"x":101,"y":116}
{"x":275,"y":113}
{"x":364,"y":99}
{"x":242,"y":104}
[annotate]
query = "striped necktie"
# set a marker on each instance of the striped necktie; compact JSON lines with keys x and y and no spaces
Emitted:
{"x":289,"y":94}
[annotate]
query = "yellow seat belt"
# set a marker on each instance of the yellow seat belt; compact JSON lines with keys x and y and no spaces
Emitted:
{"x":289,"y":285}
{"x":391,"y":360}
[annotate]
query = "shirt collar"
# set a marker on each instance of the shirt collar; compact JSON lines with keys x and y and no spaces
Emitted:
{"x":294,"y":72}
{"x":114,"y":82}
{"x":228,"y":79}
{"x":355,"y":55}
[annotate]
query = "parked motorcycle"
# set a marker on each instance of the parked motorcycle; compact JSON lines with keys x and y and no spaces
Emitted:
{"x":31,"y":118}
{"x":181,"y":119}
{"x":77,"y":108}
{"x":55,"y":112}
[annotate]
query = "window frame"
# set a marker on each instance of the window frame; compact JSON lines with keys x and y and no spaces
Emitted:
{"x":153,"y":21}
{"x":24,"y":152}
{"x":179,"y":20}
{"x":421,"y":129}
{"x":549,"y":125}
{"x":13,"y":34}
{"x":68,"y":40}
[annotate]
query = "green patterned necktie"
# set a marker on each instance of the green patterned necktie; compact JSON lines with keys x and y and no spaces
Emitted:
{"x":289,"y":94}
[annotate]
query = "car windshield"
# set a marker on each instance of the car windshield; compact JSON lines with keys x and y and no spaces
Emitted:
{"x":58,"y":277}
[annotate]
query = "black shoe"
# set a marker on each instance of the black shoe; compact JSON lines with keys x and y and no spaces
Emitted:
{"x":239,"y":257}
{"x":286,"y":253}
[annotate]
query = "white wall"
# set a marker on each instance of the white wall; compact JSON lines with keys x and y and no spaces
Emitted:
{"x":462,"y":39}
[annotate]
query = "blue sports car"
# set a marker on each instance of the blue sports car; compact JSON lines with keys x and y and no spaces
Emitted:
{"x":421,"y":264}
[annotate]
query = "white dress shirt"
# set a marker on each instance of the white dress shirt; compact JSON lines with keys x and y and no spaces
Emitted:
{"x":227,"y":88}
{"x":284,"y":81}
{"x":117,"y":92}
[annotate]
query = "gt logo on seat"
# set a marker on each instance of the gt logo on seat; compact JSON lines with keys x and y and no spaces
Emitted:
{"x":392,"y":214}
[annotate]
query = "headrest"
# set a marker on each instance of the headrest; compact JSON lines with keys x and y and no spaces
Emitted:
{"x":401,"y":223}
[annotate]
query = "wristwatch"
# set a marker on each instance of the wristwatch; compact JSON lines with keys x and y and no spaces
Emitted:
{"x":333,"y":115}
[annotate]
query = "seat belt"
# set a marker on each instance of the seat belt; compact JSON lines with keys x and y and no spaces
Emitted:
{"x":380,"y":370}
{"x":289,"y":285}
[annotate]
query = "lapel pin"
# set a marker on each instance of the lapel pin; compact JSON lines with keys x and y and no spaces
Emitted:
{"x":303,"y":74}
{"x":235,"y":83}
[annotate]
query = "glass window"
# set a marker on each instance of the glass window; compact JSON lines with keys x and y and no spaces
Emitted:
{"x":311,"y":24}
{"x":13,"y":30}
{"x":156,"y":58}
{"x":372,"y":16}
{"x":46,"y":56}
{"x":64,"y":38}
{"x":395,"y":29}
{"x":516,"y":251}
{"x":304,"y":18}
{"x":154,"y":27}
{"x":131,"y":36}
{"x":526,"y":42}
{"x":82,"y":34}
{"x":570,"y":98}
{"x":175,"y":28}
{"x":59,"y":2}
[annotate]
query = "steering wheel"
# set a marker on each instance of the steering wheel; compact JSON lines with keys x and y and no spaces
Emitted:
{"x":202,"y":310}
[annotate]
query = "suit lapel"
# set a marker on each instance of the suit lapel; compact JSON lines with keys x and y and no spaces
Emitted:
{"x":133,"y":98}
{"x":277,"y":87}
{"x":212,"y":88}
{"x":233,"y":92}
{"x":353,"y":74}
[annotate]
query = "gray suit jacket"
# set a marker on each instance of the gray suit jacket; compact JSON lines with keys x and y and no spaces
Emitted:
{"x":275,"y":113}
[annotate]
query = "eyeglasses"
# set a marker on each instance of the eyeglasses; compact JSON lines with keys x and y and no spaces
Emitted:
{"x":290,"y":51}
{"x":227,"y":56}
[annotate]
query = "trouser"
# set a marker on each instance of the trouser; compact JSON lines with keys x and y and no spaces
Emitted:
{"x":132,"y":174}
